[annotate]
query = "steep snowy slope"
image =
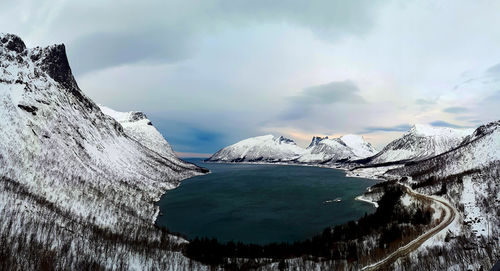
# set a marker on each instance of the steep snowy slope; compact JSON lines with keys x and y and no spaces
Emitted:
{"x":359,"y":146}
{"x":60,"y":156}
{"x":47,"y":120}
{"x":477,"y":150}
{"x":139,"y":127}
{"x":347,"y":147}
{"x":266,"y":148}
{"x":420,"y":142}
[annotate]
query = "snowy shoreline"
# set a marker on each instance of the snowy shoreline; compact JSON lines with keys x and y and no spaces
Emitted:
{"x":364,"y":199}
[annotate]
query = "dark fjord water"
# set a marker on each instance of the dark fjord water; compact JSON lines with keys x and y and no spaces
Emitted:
{"x":262,"y":203}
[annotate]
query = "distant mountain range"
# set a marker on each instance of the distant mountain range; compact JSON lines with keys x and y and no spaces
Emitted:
{"x":271,"y":148}
{"x":420,"y":142}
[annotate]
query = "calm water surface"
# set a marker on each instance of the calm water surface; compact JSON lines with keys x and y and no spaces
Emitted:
{"x":262,"y":203}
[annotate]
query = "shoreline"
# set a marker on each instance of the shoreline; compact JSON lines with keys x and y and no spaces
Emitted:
{"x":336,"y":166}
{"x":367,"y":200}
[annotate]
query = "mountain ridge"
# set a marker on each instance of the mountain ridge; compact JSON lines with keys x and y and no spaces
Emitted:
{"x":267,"y":148}
{"x":345,"y":148}
{"x":270,"y":148}
{"x":421,"y":141}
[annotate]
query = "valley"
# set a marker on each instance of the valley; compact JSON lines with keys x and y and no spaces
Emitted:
{"x":80,"y":185}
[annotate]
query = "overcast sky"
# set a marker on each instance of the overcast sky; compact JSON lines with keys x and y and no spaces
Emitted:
{"x":210,"y":73}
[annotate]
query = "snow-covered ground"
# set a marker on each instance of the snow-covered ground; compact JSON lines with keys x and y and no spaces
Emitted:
{"x":371,"y":172}
{"x":477,"y":220}
{"x":368,"y":200}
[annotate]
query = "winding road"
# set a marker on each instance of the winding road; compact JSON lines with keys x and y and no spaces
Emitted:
{"x":450,"y":215}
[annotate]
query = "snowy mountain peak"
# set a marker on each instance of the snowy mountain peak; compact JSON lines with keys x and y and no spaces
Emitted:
{"x":54,"y":61}
{"x":22,"y":65}
{"x":420,"y":142}
{"x":121,"y":117}
{"x":479,"y":150}
{"x":268,"y":148}
{"x":359,"y":146}
{"x":483,"y":130}
{"x":421,"y":129}
{"x":284,"y":140}
{"x":315,"y":141}
{"x":139,"y":127}
{"x":347,"y":147}
{"x":426,"y":130}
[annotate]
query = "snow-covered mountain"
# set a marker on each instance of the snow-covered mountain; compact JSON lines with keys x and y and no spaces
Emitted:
{"x":66,"y":166}
{"x":347,"y":147}
{"x":136,"y":125}
{"x":270,"y":148}
{"x":476,"y":151}
{"x":266,"y":148}
{"x":420,"y":142}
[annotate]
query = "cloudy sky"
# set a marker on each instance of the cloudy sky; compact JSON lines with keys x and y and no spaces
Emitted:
{"x":210,"y":73}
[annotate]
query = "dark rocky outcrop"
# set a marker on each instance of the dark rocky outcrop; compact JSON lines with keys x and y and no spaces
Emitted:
{"x":28,"y":108}
{"x":54,"y":62}
{"x":315,"y":140}
{"x":135,"y":116}
{"x":13,"y":43}
{"x":283,"y":139}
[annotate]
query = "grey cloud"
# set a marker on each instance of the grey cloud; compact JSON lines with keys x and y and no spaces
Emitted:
{"x":326,"y":18}
{"x":101,"y":50}
{"x":424,"y":102}
{"x":455,"y":110}
{"x":472,"y":120}
{"x":335,"y":92}
{"x":441,"y":123}
{"x":396,"y":128}
{"x":494,"y":97}
{"x":166,"y":31}
{"x":495,"y":69}
{"x":296,"y":111}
